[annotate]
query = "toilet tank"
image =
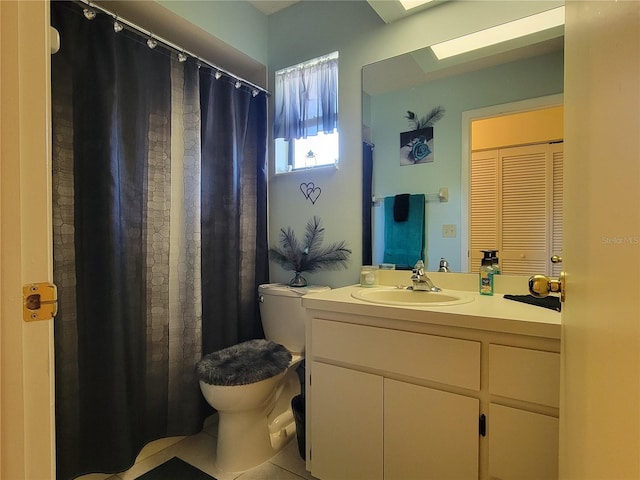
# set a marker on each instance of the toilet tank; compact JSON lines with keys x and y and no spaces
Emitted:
{"x":283,"y":315}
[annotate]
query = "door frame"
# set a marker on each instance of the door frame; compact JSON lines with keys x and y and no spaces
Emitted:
{"x":27,"y":412}
{"x":468,"y":117}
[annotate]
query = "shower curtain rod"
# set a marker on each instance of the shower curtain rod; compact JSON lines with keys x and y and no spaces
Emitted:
{"x":176,"y":48}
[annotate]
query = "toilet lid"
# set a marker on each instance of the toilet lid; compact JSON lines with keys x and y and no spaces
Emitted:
{"x":244,"y":363}
{"x":286,"y":290}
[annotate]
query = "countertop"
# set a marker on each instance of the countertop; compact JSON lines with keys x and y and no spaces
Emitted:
{"x":493,"y":313}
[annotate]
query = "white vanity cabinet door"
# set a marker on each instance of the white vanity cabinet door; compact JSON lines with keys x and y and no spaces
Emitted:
{"x":522,"y":445}
{"x":346,"y":423}
{"x":429,"y":434}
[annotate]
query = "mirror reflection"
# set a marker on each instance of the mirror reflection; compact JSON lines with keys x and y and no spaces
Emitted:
{"x":498,"y":81}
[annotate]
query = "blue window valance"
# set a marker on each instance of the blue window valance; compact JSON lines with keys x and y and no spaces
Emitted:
{"x":306,"y":99}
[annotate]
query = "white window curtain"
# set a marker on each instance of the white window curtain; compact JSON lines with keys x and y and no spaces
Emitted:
{"x":306,"y":99}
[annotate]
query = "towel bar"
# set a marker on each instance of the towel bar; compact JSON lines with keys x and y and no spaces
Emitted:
{"x":442,"y":196}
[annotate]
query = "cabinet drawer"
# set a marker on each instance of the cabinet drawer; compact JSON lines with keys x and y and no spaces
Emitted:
{"x":440,"y":359}
{"x":524,"y":374}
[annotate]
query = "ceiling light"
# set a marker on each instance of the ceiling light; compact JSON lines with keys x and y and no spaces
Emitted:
{"x":409,"y":4}
{"x":500,"y":33}
{"x":182,"y":57}
{"x":117,"y":26}
{"x":151,"y":43}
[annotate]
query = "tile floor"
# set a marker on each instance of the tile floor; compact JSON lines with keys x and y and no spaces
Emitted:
{"x":199,"y":450}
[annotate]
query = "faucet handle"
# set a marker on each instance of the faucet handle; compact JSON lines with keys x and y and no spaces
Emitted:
{"x":418,"y":269}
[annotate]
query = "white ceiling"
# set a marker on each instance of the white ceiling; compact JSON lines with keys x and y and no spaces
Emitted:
{"x":421,"y":66}
{"x":271,"y":6}
{"x":387,"y":10}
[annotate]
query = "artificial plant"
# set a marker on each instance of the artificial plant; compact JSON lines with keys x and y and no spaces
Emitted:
{"x":428,"y":120}
{"x":308,"y":255}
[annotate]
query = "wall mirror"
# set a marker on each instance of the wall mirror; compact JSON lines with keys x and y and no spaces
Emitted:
{"x":522,"y":75}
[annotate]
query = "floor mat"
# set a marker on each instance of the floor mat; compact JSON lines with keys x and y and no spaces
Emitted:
{"x":175,"y":469}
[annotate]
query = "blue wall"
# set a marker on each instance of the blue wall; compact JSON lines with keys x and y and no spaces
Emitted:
{"x":236,"y":23}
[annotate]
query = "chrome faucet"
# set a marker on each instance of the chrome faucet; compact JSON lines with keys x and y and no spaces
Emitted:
{"x":444,"y":265}
{"x":421,"y":282}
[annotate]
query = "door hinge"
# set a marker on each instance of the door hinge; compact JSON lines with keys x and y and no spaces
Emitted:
{"x":39,"y":301}
{"x":482,"y":424}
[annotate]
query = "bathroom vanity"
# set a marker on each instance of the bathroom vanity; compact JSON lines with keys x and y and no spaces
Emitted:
{"x":400,"y":392}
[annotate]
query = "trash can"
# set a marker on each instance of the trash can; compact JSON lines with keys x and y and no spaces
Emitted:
{"x":301,"y":371}
{"x":297,"y":405}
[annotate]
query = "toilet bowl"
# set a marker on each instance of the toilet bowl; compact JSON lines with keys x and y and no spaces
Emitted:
{"x":254,"y":419}
{"x":251,"y":384}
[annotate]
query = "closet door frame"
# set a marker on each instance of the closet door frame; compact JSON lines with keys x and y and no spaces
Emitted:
{"x":467,"y":118}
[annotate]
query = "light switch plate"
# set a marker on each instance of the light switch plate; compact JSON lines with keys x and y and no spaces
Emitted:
{"x":449,"y":231}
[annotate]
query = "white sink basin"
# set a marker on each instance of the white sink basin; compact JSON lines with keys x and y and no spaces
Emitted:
{"x":404,"y":297}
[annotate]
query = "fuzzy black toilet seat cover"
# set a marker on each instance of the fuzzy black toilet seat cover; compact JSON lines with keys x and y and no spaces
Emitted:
{"x":244,"y":363}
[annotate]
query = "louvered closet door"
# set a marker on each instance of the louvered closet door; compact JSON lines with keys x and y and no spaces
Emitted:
{"x":524,"y":209}
{"x":484,"y":205}
{"x":516,"y":207}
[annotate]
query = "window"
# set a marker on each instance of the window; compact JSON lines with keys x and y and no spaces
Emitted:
{"x":306,"y":114}
{"x":316,"y":151}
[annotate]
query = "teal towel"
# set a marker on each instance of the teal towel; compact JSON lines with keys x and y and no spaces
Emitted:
{"x":404,"y":241}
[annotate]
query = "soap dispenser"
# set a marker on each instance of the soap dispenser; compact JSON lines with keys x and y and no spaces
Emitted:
{"x":486,"y":274}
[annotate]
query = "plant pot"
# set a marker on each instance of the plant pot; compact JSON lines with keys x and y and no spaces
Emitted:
{"x":298,"y":281}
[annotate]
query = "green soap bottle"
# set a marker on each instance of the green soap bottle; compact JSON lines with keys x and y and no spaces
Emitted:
{"x":486,"y":274}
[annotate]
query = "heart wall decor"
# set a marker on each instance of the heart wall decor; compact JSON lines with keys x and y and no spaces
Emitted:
{"x":310,"y":191}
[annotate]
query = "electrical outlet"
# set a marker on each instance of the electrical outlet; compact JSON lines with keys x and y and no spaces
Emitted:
{"x":449,"y":231}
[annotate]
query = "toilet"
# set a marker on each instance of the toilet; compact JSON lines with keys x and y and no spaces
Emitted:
{"x":251,"y":384}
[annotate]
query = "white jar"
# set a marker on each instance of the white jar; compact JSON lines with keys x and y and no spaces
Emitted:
{"x":368,"y":276}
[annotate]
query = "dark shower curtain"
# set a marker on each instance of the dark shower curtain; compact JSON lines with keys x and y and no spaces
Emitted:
{"x":234,"y":180}
{"x":367,"y":202}
{"x":159,"y":236}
